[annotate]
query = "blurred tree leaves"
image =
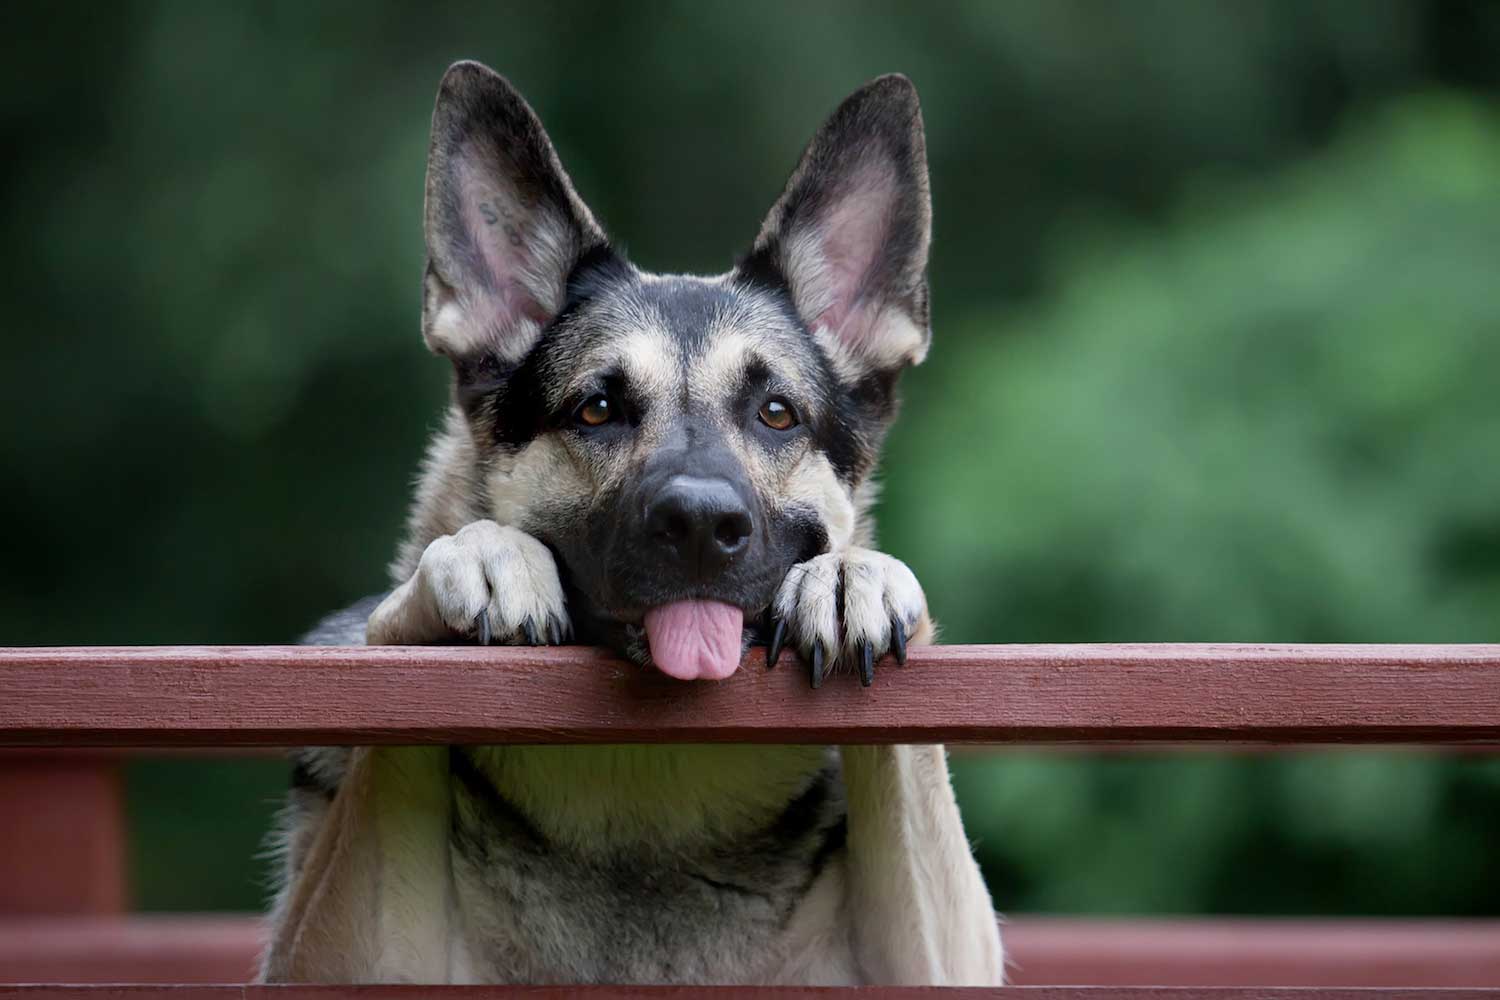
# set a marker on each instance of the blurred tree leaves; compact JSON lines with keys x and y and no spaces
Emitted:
{"x":1215,"y":359}
{"x":1334,"y":833}
{"x":1273,"y":420}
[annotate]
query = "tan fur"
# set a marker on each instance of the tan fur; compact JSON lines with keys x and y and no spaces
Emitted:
{"x":645,"y":354}
{"x":371,"y":903}
{"x":814,"y":485}
{"x":545,"y":474}
{"x":865,"y":497}
{"x":909,"y":863}
{"x":446,"y":493}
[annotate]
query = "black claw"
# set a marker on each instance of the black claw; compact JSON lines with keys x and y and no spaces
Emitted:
{"x":482,"y":627}
{"x":817,"y":665}
{"x":568,"y":631}
{"x":554,"y":631}
{"x":898,"y":640}
{"x":778,"y":639}
{"x":528,"y":627}
{"x":866,"y":664}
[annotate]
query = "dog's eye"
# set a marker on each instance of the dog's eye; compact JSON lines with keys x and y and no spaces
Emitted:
{"x":595,"y":412}
{"x":777,"y":415}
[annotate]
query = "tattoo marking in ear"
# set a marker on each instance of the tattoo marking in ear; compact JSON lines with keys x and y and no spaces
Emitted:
{"x":493,"y":213}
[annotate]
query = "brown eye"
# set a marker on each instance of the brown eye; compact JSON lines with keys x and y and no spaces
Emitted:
{"x":594,"y":412}
{"x":777,"y":415}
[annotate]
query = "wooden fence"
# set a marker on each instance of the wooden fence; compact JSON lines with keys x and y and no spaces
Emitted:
{"x":63,"y":891}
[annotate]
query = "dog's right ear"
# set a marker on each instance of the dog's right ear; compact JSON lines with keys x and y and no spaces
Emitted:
{"x":504,"y":226}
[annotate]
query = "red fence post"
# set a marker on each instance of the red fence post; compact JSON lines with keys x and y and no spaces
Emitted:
{"x":62,"y":833}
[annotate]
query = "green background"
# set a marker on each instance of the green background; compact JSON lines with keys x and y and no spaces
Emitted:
{"x":1217,"y":357}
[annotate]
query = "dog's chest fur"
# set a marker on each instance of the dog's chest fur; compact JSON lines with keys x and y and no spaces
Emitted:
{"x":639,"y":864}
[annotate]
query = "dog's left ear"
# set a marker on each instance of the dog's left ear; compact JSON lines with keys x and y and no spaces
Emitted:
{"x":850,"y":233}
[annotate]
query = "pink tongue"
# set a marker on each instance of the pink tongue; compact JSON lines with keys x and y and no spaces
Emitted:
{"x":693,"y":639}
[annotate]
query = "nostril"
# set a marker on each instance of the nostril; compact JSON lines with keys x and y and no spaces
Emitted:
{"x":732,"y":530}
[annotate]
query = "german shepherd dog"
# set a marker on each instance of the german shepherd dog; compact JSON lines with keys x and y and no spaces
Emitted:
{"x":676,"y":468}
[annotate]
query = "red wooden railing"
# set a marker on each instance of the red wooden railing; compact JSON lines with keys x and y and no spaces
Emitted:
{"x":62,"y":882}
{"x":277,"y":696}
{"x":216,"y":948}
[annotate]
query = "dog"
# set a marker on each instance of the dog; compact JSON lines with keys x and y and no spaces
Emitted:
{"x":676,"y":468}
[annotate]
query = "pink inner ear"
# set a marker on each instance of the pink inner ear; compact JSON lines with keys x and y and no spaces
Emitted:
{"x":850,"y":238}
{"x":500,"y":227}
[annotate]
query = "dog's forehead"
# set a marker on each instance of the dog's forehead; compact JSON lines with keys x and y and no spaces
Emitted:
{"x":688,"y":337}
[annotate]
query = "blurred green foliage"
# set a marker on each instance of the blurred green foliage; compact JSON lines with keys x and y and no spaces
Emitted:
{"x":1275,"y":418}
{"x":1217,"y":357}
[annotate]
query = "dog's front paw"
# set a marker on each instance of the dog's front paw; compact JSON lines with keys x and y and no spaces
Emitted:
{"x":486,"y":582}
{"x":849,"y":606}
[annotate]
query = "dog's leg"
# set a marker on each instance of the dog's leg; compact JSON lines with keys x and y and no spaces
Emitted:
{"x":920,"y":910}
{"x":373,"y":896}
{"x":921,"y":913}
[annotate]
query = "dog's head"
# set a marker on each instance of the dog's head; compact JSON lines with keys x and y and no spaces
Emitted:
{"x":678,"y":442}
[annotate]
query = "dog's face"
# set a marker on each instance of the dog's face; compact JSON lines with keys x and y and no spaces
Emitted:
{"x":678,"y":442}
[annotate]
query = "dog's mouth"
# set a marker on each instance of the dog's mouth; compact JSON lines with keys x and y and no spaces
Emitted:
{"x":695,"y":639}
{"x":691,"y":636}
{"x":690,"y":627}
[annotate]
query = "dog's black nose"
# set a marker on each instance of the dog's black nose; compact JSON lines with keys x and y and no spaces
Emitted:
{"x":703,"y":521}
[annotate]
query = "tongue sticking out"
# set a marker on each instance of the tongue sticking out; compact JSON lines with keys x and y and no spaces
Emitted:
{"x":695,"y":639}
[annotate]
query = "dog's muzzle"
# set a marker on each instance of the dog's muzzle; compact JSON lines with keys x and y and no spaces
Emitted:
{"x":697,"y":526}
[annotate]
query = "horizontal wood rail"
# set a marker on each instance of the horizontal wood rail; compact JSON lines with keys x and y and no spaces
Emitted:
{"x":1170,"y":693}
{"x":217,"y":948}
